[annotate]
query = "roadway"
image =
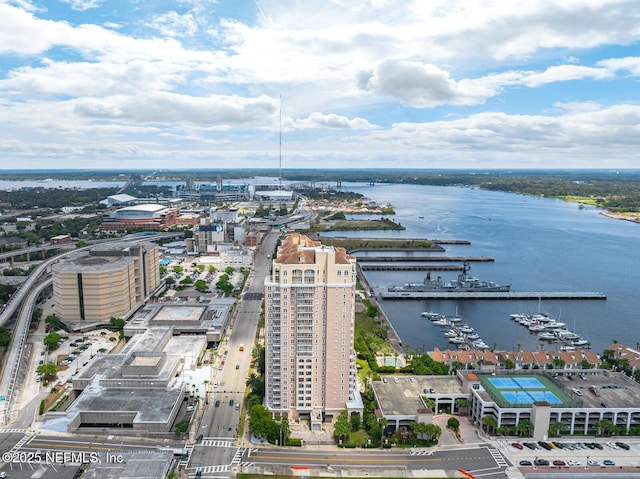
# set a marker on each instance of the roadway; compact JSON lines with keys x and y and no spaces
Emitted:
{"x":219,"y":424}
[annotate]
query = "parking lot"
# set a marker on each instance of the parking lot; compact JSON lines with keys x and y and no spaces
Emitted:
{"x":586,"y":453}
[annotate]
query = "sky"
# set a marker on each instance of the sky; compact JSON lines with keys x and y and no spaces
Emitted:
{"x":155,"y":84}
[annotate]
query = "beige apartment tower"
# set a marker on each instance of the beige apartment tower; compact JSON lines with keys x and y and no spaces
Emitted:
{"x":107,"y":281}
{"x":309,"y":319}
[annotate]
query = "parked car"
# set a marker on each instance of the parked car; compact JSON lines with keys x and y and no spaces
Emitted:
{"x":541,"y":462}
{"x":573,"y":462}
{"x":529,"y":445}
{"x":557,"y":462}
{"x":217,"y":403}
{"x":199,"y":438}
{"x":517,"y":446}
{"x":623,"y":445}
{"x":591,"y":462}
{"x":608,"y":462}
{"x":526,"y":463}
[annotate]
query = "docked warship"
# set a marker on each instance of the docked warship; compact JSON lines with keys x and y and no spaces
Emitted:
{"x":464,"y":283}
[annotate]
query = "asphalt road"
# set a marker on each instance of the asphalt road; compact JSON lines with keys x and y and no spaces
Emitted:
{"x":219,"y":424}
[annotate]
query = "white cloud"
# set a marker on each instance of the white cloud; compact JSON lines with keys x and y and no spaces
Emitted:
{"x":83,"y":5}
{"x":320,"y":120}
{"x":172,"y":24}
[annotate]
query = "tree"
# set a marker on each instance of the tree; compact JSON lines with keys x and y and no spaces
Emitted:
{"x":5,"y":337}
{"x":524,"y":427}
{"x":186,"y":280}
{"x":453,"y":424}
{"x":342,"y":427}
{"x":557,"y":428}
{"x":229,"y":270}
{"x":212,"y":269}
{"x":178,"y":269}
{"x":433,"y":432}
{"x":463,"y":405}
{"x":355,"y":421}
{"x":48,"y":370}
{"x":200,"y":285}
{"x":509,"y":364}
{"x":169,"y":280}
{"x":117,"y":324}
{"x":51,"y":340}
{"x":490,"y":422}
{"x":181,"y":427}
{"x":54,"y":322}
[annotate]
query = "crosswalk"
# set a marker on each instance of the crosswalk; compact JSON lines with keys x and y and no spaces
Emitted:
{"x":497,"y":456}
{"x":421,"y":453}
{"x":237,"y":457}
{"x":7,"y":431}
{"x":182,"y":463}
{"x":216,"y":443}
{"x":213,"y":469}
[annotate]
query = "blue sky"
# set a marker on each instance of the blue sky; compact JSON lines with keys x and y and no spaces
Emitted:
{"x":103,"y":84}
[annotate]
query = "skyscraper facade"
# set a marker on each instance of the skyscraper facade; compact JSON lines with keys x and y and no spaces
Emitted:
{"x":309,"y":320}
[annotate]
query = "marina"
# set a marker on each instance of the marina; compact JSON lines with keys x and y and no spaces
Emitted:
{"x":551,"y":330}
{"x":461,"y":335}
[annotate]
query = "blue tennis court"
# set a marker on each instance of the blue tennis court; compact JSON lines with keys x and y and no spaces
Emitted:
{"x":516,"y":383}
{"x":529,"y":397}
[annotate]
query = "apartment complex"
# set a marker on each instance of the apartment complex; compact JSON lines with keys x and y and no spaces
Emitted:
{"x":107,"y":281}
{"x":309,"y":319}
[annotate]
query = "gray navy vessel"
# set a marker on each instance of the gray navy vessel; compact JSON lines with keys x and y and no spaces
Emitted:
{"x":464,"y":283}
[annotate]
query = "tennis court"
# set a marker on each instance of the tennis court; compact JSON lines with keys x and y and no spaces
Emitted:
{"x":522,"y":391}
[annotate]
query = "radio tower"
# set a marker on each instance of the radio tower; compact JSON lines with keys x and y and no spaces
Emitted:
{"x":280,"y":176}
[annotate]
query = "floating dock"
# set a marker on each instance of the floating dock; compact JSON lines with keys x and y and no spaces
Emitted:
{"x":493,"y":295}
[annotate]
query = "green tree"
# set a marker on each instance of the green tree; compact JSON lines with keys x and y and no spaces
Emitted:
{"x":229,"y":270}
{"x":509,"y":364}
{"x":490,"y":422}
{"x":169,"y":280}
{"x":524,"y":428}
{"x":181,"y":427}
{"x":453,"y":424}
{"x":5,"y":337}
{"x":186,"y":280}
{"x":51,"y":340}
{"x":463,"y":405}
{"x":48,"y":370}
{"x":200,"y":285}
{"x":557,"y":428}
{"x":342,"y":427}
{"x":355,"y":421}
{"x":212,"y":269}
{"x":178,"y":269}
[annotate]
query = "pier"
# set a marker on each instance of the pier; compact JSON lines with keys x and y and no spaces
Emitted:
{"x":411,"y":267}
{"x":416,"y":259}
{"x":493,"y":295}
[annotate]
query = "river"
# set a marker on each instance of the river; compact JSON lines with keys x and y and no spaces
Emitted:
{"x":539,"y":244}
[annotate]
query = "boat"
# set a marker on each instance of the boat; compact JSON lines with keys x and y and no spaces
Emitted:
{"x":480,"y":344}
{"x":421,"y":217}
{"x":465,"y":329}
{"x":464,"y":283}
{"x":451,"y":333}
{"x":554,"y":325}
{"x":566,"y":335}
{"x":440,"y":322}
{"x":430,"y":315}
{"x":518,"y":316}
{"x":457,"y":340}
{"x":579,"y":342}
{"x":473,"y":336}
{"x":548,"y":336}
{"x":454,"y":319}
{"x":537,"y":327}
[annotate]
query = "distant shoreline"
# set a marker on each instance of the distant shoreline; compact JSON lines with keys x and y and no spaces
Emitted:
{"x":633,"y":217}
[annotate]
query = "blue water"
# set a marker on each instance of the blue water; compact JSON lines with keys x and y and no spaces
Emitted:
{"x":539,"y":244}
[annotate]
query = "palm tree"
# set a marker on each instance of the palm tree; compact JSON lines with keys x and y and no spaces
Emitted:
{"x":557,"y":428}
{"x":491,"y":423}
{"x":524,"y":427}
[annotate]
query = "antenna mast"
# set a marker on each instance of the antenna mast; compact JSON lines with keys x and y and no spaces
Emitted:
{"x":280,"y":176}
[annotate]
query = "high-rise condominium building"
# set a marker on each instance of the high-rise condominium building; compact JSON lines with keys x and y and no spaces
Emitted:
{"x":309,"y":318}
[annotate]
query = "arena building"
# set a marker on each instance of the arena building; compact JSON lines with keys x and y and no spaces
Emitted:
{"x":147,"y":217}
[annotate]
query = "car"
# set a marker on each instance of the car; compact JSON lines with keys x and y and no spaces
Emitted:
{"x":591,"y":462}
{"x":608,"y":462}
{"x":199,"y":438}
{"x":526,"y":463}
{"x":612,"y":445}
{"x":237,"y":406}
{"x":598,"y":446}
{"x":573,"y":462}
{"x":237,"y":366}
{"x":557,"y":462}
{"x":541,"y":462}
{"x":191,"y":408}
{"x":623,"y":445}
{"x":215,"y":385}
{"x":529,"y":445}
{"x":517,"y":446}
{"x":217,"y":403}
{"x":198,"y":475}
{"x":41,"y":362}
{"x":230,"y":402}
